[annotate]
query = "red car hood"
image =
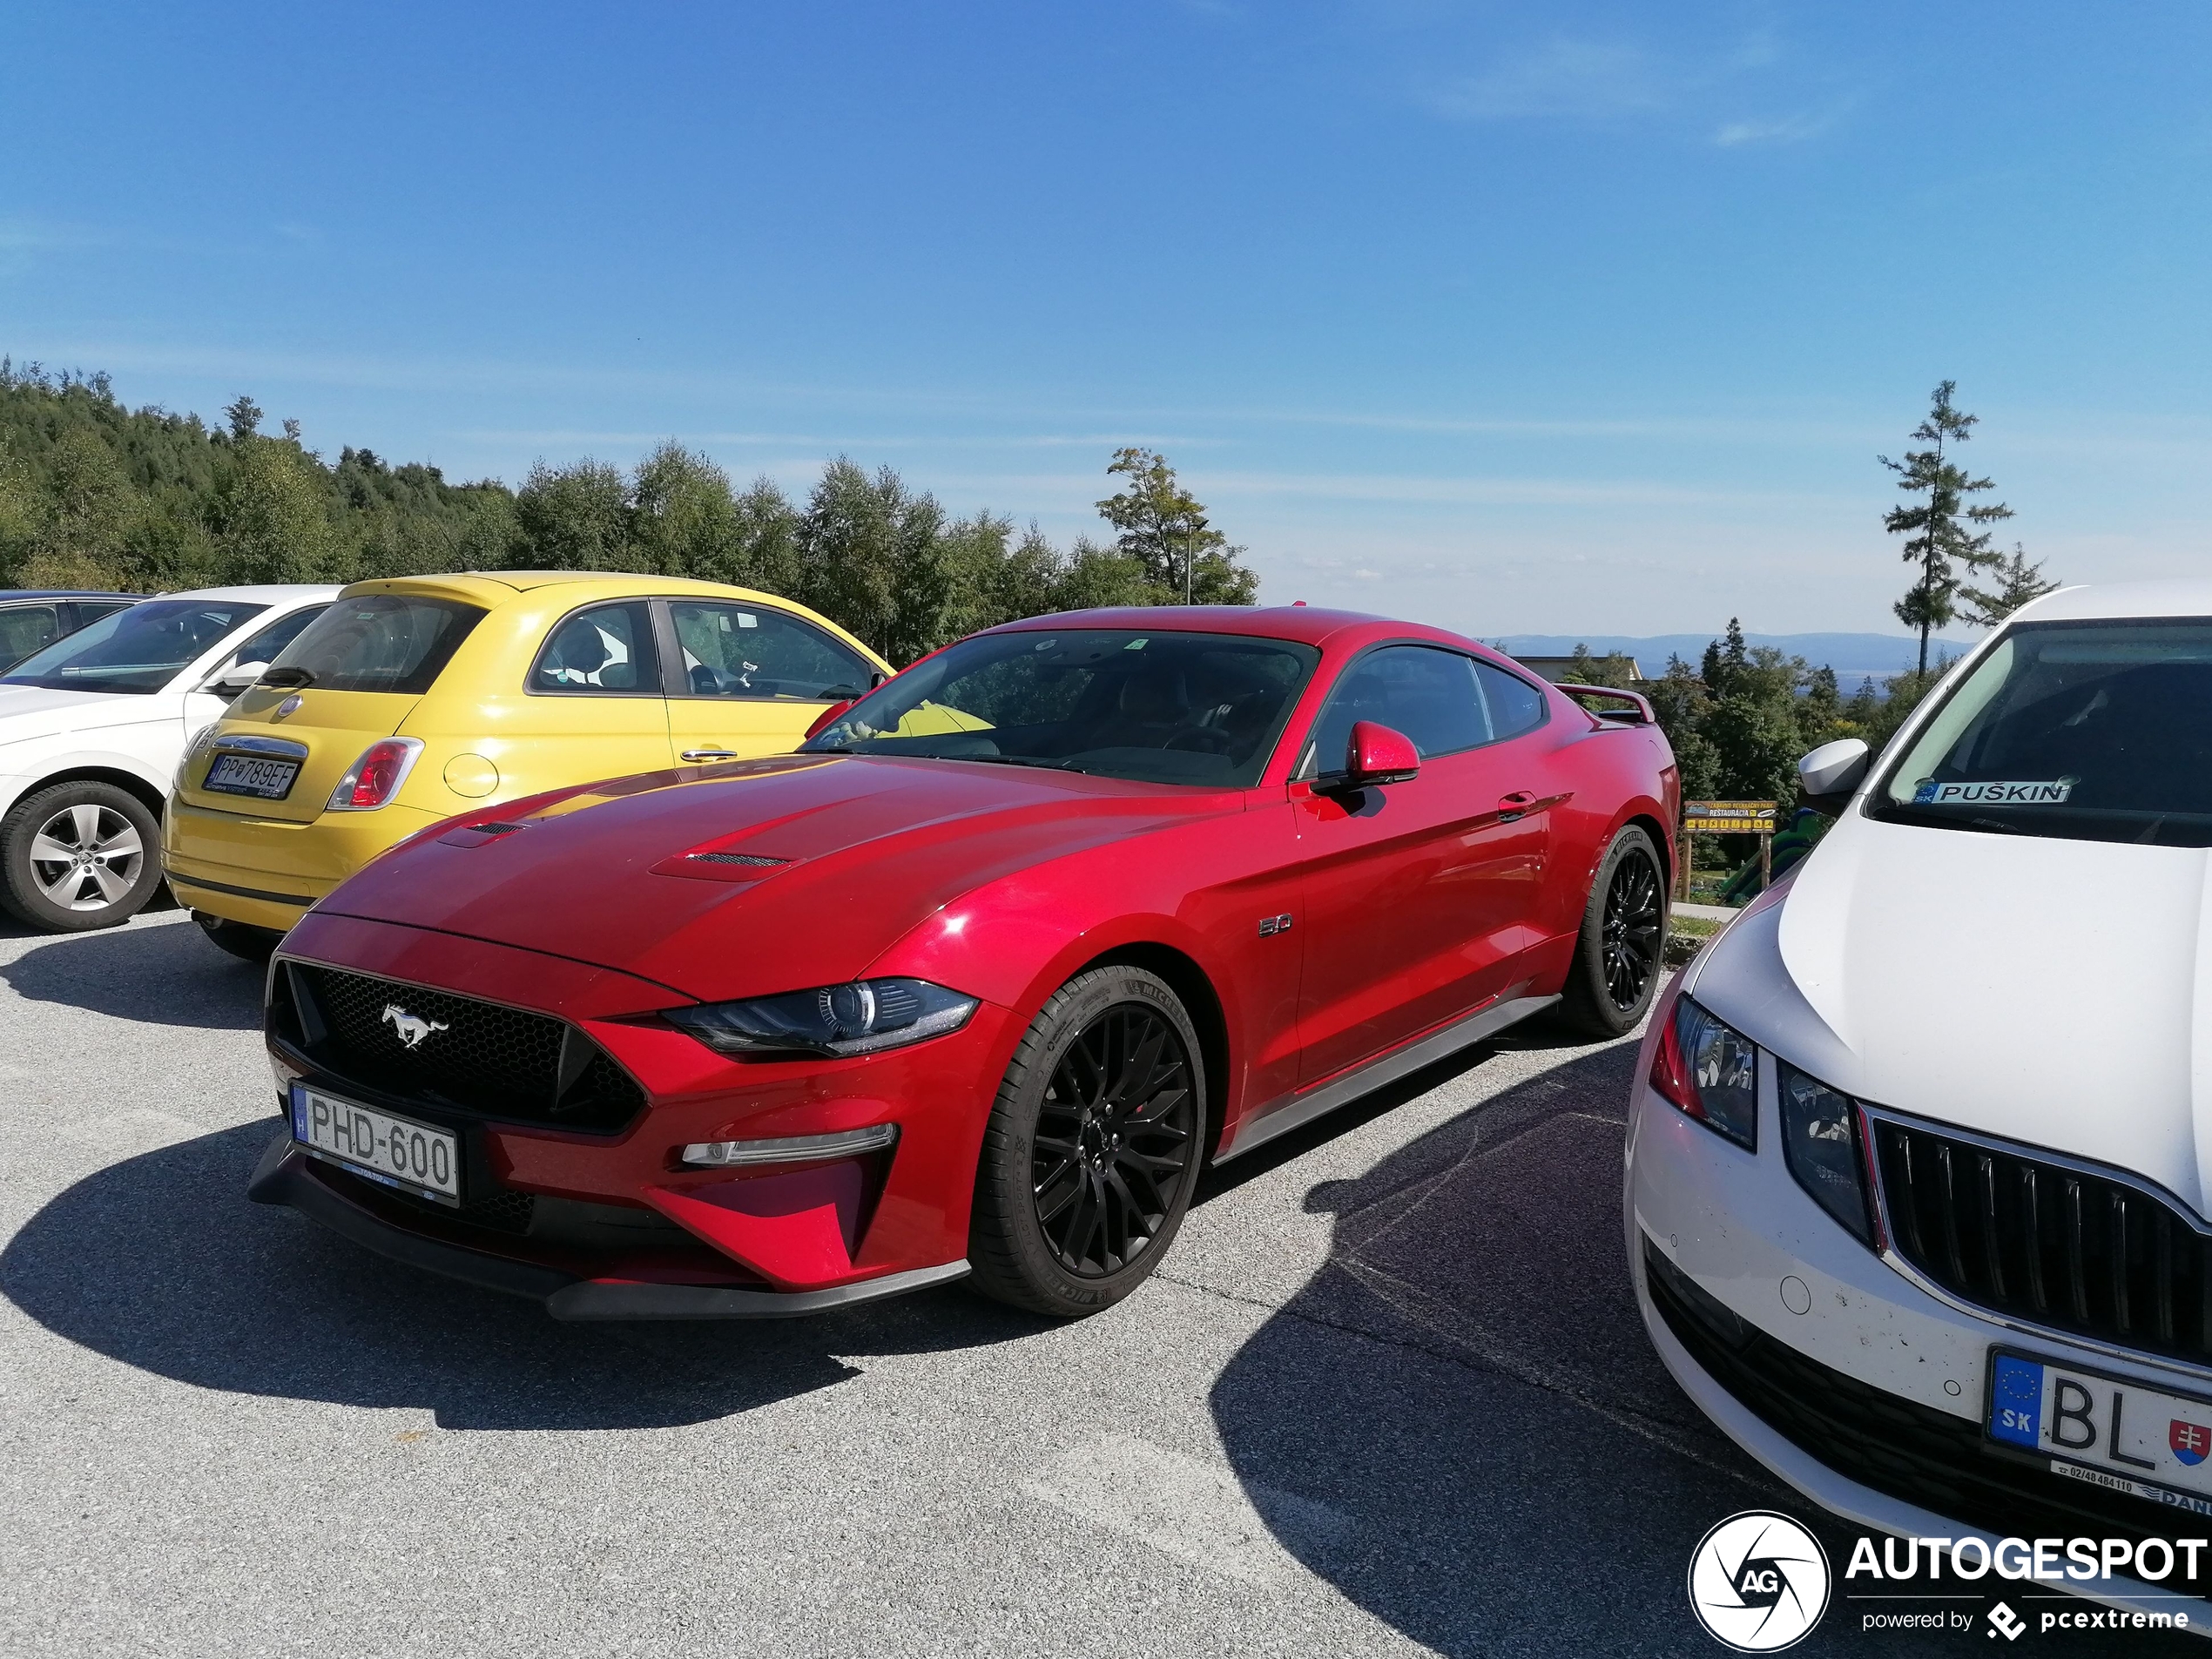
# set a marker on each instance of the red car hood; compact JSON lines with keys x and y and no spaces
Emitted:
{"x":868,"y":848}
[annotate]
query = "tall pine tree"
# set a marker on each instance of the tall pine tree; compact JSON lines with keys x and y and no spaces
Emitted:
{"x":1940,"y":530}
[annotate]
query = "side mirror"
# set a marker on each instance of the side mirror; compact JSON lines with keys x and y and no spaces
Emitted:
{"x":829,"y":717}
{"x":231,"y":681}
{"x":1831,"y":774}
{"x":1378,"y":755}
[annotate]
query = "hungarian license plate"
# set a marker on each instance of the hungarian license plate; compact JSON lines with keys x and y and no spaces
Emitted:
{"x":396,"y":1151}
{"x":2108,"y":1431}
{"x":251,"y":775}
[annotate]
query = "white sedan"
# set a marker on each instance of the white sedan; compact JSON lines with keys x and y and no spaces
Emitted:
{"x":91,"y":728}
{"x":1920,"y":1147}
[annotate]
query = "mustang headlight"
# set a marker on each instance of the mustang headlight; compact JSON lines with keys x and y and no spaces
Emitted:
{"x":864,"y":1017}
{"x":1709,"y":1070}
{"x":1820,"y":1142}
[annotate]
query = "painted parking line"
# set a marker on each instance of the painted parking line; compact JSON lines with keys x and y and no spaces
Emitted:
{"x":1194,"y":1510}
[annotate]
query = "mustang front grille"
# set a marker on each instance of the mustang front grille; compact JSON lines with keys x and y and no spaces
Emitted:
{"x":448,"y":1050}
{"x":2047,"y":1242}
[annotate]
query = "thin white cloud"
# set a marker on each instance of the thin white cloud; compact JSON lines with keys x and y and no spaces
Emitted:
{"x":1563,"y":77}
{"x":1789,"y":129}
{"x":831,"y":442}
{"x":1621,"y":79}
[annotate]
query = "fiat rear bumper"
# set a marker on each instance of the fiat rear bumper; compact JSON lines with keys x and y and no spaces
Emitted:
{"x":265,"y":872}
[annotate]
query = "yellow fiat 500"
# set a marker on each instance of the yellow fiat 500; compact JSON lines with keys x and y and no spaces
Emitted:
{"x":413,"y":699}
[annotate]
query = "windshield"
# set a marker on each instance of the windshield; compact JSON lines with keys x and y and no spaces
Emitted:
{"x":1163,"y":708}
{"x":380,"y":642}
{"x":2095,"y":732}
{"x":136,"y":650}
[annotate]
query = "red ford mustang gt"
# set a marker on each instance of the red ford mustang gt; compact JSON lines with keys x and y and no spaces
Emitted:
{"x":977,"y":980}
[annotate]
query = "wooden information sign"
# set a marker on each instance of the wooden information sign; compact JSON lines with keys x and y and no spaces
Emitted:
{"x":1727,"y":818}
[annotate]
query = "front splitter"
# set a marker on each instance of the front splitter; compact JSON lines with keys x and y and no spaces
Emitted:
{"x":281,"y":1178}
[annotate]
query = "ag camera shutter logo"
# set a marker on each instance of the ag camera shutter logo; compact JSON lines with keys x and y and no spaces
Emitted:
{"x":1759,"y":1582}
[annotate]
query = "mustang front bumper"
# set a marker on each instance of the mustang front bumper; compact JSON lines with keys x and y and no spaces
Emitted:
{"x":603,"y":1219}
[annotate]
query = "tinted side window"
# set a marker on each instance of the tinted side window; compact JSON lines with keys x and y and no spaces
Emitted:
{"x":24,"y":629}
{"x":1515,"y":705}
{"x":264,"y":646}
{"x":606,"y":649}
{"x":84,"y":612}
{"x":1427,"y":693}
{"x":749,"y":650}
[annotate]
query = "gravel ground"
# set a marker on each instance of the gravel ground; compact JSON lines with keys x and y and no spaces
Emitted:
{"x":1389,"y":1392}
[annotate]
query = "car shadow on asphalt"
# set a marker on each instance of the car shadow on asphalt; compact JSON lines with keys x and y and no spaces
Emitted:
{"x":164,"y":974}
{"x":1460,"y":1421}
{"x":162,"y":1263}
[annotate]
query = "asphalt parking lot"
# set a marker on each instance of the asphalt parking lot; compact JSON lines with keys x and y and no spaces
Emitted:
{"x":1389,"y":1392}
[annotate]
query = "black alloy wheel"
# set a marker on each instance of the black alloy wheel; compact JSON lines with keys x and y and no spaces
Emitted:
{"x":1115,"y":1131}
{"x":1093,"y":1146}
{"x":1633,"y":921}
{"x":1617,"y":958}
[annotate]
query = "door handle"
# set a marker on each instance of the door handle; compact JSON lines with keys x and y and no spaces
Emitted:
{"x":1514,"y":805}
{"x":709,"y":754}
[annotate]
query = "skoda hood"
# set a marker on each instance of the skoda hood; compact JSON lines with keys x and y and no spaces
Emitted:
{"x":2056,"y":992}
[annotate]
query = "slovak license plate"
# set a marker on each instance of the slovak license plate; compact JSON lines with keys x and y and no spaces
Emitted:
{"x":2109,"y":1431}
{"x":251,"y":775}
{"x":396,"y":1151}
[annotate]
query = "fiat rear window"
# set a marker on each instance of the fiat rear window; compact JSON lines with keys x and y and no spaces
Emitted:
{"x":1158,"y":706}
{"x":381,"y":642}
{"x":2098,"y":731}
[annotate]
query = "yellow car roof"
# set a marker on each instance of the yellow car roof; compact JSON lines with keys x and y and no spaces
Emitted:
{"x":490,"y":588}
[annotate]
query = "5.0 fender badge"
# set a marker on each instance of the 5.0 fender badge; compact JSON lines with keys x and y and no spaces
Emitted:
{"x":1270,"y":926}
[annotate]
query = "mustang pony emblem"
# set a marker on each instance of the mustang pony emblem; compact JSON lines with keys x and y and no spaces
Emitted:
{"x":412,"y":1028}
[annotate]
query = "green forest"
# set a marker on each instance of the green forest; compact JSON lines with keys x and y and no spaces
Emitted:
{"x":1740,"y":719}
{"x":94,"y":494}
{"x":97,"y":495}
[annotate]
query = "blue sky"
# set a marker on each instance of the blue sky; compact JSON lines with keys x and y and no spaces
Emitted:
{"x":1519,"y":319}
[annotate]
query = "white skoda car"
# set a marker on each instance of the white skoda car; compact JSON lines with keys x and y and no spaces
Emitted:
{"x":92,"y":727}
{"x":1919,"y":1175}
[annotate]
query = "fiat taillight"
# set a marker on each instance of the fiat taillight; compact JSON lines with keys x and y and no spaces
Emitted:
{"x":372,"y":781}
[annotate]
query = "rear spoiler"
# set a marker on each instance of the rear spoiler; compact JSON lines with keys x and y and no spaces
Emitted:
{"x":1628,"y":708}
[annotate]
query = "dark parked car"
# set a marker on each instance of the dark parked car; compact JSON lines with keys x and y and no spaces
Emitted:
{"x":33,"y":619}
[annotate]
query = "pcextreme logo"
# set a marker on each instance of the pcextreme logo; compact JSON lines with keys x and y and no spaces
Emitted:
{"x":1759,"y":1582}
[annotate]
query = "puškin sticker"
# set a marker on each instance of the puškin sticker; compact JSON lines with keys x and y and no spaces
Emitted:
{"x":1931,"y":793}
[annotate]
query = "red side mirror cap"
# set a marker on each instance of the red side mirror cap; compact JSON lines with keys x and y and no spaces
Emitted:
{"x":828,"y":717}
{"x":1379,"y":755}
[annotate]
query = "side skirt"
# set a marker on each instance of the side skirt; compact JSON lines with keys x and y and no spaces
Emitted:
{"x":1297,"y":1111}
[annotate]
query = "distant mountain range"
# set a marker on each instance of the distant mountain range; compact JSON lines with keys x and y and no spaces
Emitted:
{"x":1852,"y":655}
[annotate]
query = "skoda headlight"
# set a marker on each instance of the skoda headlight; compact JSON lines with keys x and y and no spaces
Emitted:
{"x":1820,"y":1142}
{"x":863,"y":1017}
{"x":1709,"y":1070}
